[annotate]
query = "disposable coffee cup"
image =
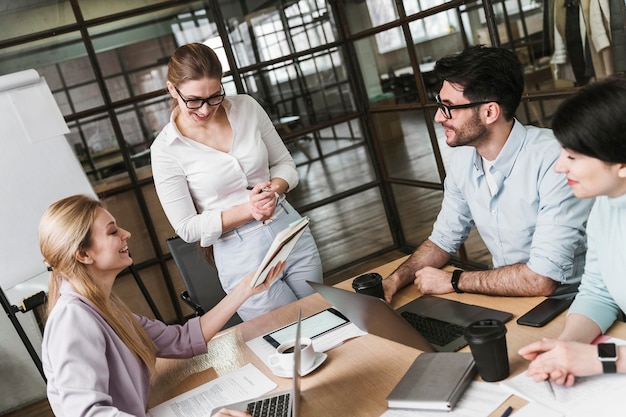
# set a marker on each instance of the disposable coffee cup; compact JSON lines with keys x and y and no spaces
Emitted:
{"x":487,"y":341}
{"x":369,"y":284}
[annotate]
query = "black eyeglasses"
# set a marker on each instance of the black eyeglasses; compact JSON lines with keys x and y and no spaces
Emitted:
{"x":196,"y":103}
{"x":447,"y":110}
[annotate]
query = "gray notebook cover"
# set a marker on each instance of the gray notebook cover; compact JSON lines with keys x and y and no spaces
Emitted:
{"x":435,"y":381}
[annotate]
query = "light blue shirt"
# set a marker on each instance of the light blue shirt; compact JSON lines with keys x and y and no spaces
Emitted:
{"x":532,"y":217}
{"x":602,"y":291}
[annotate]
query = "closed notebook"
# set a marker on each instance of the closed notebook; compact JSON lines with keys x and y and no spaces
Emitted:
{"x":435,"y":381}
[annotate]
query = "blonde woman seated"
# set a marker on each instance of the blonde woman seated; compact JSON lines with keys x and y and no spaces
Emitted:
{"x":98,"y":357}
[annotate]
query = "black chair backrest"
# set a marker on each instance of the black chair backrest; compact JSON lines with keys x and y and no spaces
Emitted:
{"x":204,"y":289}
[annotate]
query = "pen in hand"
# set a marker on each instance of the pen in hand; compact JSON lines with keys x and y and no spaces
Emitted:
{"x":263,"y":190}
{"x":550,"y":388}
{"x":507,"y":412}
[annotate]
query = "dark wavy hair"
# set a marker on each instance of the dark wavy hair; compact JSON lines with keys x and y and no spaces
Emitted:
{"x":485,"y":73}
{"x":593,"y":121}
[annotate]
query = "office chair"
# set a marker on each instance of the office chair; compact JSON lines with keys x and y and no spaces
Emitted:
{"x":204,"y":290}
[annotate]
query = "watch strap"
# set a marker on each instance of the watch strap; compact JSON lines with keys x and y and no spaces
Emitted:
{"x":456,"y":275}
{"x":609,"y":367}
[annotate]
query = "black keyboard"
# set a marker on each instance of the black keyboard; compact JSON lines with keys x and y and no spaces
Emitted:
{"x":437,"y":332}
{"x":277,"y":406}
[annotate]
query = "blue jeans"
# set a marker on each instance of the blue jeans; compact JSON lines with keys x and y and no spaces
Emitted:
{"x":241,"y":250}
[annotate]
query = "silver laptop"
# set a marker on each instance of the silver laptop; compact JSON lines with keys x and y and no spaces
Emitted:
{"x":280,"y":404}
{"x":428,"y":323}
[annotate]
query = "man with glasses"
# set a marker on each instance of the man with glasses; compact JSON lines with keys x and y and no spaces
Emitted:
{"x":501,"y":180}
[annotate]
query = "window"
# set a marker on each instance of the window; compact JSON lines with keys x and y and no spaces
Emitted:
{"x":308,"y":26}
{"x":384,"y":11}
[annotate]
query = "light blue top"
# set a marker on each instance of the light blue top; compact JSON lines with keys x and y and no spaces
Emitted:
{"x":533,"y":216}
{"x":602,"y":291}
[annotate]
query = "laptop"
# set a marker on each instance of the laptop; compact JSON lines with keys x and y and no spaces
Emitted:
{"x":279,"y":404}
{"x":428,"y":323}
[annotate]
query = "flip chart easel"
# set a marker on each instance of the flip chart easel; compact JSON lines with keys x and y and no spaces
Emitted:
{"x":37,"y":167}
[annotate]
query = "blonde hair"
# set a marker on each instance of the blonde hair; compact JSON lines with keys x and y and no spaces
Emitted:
{"x":64,"y":230}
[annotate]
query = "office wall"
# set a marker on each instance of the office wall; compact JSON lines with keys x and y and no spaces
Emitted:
{"x":37,"y":167}
{"x":21,"y":382}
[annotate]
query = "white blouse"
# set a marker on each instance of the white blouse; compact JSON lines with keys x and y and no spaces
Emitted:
{"x":195,"y":183}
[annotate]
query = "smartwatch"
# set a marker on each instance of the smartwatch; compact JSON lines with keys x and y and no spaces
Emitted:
{"x":607,"y":354}
{"x":455,"y":281}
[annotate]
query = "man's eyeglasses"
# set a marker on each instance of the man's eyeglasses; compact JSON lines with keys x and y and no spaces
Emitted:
{"x":446,"y":110}
{"x":196,"y":103}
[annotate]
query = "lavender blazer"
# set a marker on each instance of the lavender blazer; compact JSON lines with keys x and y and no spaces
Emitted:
{"x":91,"y":372}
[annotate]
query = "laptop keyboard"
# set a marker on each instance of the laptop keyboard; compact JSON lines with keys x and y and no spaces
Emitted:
{"x":437,"y":332}
{"x":277,"y":406}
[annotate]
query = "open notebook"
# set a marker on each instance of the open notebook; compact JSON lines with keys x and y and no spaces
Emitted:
{"x":280,"y":249}
{"x":280,"y":404}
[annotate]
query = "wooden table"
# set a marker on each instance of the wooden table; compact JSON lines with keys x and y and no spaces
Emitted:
{"x":357,"y":376}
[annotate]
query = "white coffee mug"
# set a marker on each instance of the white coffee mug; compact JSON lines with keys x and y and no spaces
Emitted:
{"x":283,"y":357}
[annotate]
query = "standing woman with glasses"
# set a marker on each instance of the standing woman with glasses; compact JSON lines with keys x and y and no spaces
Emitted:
{"x":221,"y":172}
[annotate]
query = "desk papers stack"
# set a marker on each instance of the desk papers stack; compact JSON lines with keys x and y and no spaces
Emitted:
{"x":245,"y":383}
{"x":598,"y":395}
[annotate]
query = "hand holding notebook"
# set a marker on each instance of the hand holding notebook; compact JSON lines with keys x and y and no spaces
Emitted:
{"x":280,"y":249}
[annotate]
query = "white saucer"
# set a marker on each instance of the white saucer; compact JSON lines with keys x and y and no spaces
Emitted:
{"x":288,"y":373}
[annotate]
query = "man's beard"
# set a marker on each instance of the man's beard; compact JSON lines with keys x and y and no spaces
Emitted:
{"x":469,"y":134}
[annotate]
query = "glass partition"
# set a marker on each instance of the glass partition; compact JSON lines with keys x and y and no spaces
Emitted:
{"x":41,"y":16}
{"x":363,"y":15}
{"x":406,"y":146}
{"x":354,"y":105}
{"x":278,"y":30}
{"x":350,"y":228}
{"x":344,"y":164}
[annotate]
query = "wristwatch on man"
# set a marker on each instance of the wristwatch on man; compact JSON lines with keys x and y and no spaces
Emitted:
{"x":455,"y":281}
{"x":607,"y":354}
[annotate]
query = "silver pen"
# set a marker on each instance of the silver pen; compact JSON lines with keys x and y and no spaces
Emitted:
{"x":550,"y":388}
{"x":263,"y":190}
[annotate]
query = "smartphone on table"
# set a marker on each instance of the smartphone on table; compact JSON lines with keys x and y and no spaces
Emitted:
{"x":312,"y":327}
{"x":544,"y":312}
